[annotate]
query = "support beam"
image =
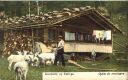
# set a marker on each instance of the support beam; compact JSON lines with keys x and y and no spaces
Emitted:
{"x":32,"y":40}
{"x":45,"y":34}
{"x":76,"y":27}
{"x":109,"y":23}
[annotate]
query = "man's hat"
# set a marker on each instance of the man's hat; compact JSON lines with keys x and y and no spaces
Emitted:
{"x":59,"y":36}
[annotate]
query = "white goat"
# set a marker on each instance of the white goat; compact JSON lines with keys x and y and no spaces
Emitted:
{"x":19,"y":53}
{"x":21,"y":69}
{"x":13,"y":59}
{"x":46,"y":57}
{"x":17,"y":58}
{"x":48,"y":53}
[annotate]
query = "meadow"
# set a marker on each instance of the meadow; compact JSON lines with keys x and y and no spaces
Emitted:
{"x":35,"y":73}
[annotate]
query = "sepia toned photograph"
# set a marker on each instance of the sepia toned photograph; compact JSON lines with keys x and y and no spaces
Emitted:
{"x":63,"y":36}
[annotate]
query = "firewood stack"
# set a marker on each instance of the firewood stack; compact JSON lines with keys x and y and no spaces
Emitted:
{"x":17,"y":42}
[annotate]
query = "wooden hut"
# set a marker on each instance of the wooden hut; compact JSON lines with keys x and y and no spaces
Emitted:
{"x":77,"y":26}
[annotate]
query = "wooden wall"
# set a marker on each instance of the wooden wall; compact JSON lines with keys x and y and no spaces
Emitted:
{"x":87,"y":47}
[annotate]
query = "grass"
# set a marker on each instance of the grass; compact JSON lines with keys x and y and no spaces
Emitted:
{"x":35,"y":73}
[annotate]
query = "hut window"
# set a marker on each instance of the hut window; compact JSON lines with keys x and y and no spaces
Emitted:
{"x":108,"y":35}
{"x":38,"y":34}
{"x":102,"y":34}
{"x":51,"y":34}
{"x":80,"y":36}
{"x":69,"y":36}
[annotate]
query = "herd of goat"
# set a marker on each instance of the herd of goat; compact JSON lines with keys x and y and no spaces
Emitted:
{"x":23,"y":60}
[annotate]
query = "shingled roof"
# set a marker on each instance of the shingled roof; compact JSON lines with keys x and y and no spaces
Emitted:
{"x":55,"y":17}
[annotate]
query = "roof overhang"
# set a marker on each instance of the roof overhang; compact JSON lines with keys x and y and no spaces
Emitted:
{"x":90,"y":13}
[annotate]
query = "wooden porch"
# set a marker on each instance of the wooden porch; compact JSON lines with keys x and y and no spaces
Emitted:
{"x":87,"y":47}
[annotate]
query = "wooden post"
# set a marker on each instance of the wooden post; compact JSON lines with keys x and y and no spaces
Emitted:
{"x":37,"y":32}
{"x":5,"y":37}
{"x":32,"y":40}
{"x":45,"y":34}
{"x":112,"y":40}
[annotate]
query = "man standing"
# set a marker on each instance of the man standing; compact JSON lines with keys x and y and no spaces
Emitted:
{"x":59,"y":56}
